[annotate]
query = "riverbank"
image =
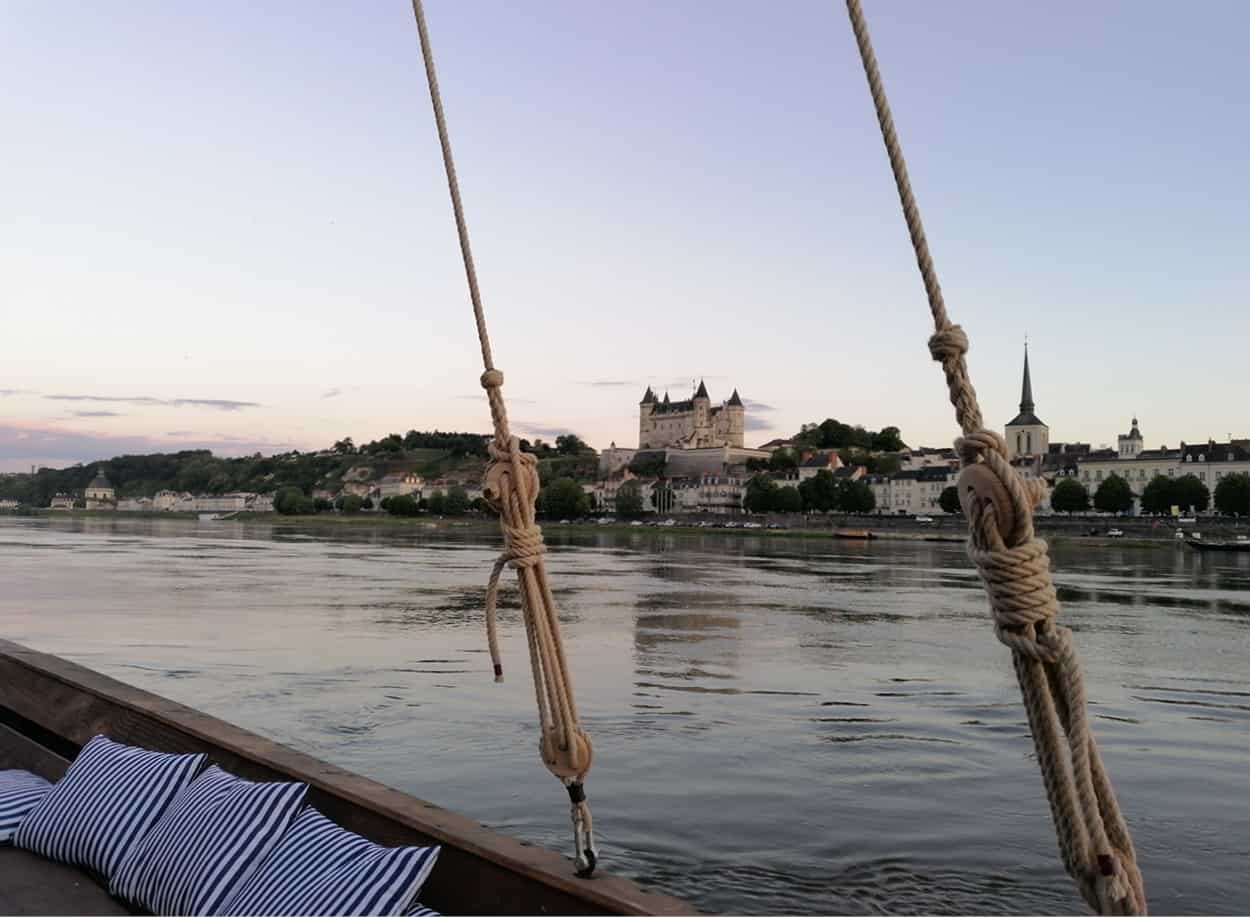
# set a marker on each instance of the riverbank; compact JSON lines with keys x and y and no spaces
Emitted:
{"x":1057,"y":530}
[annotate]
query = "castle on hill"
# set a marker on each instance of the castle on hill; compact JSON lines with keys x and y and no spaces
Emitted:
{"x":691,"y":424}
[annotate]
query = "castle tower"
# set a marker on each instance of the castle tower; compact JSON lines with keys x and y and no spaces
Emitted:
{"x":1027,"y":435}
{"x":701,"y":435}
{"x":646,"y":425}
{"x":737,"y":419}
{"x":1130,"y":443}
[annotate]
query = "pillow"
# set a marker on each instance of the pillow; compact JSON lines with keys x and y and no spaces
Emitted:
{"x":420,"y":910}
{"x":216,"y":832}
{"x":20,"y":791}
{"x":108,"y":799}
{"x":319,"y":868}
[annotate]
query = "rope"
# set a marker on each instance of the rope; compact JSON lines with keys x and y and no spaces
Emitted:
{"x":511,"y":487}
{"x":1094,"y":841}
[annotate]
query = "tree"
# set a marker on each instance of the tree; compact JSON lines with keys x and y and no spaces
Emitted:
{"x":1159,"y":496}
{"x":783,"y":460}
{"x":819,"y":494}
{"x":1113,"y":495}
{"x":457,"y":502}
{"x":949,"y":500}
{"x":345,"y":446}
{"x":1232,"y":495}
{"x":563,"y":498}
{"x":402,"y":505}
{"x":385,"y":504}
{"x":571,"y":444}
{"x":349,"y":503}
{"x":888,"y":440}
{"x":366,"y":503}
{"x":647,"y":465}
{"x":787,"y":500}
{"x":1191,"y":494}
{"x":629,"y":500}
{"x":290,"y":501}
{"x":760,"y":496}
{"x":855,"y":497}
{"x":321,"y":505}
{"x":1069,"y":496}
{"x":436,"y":503}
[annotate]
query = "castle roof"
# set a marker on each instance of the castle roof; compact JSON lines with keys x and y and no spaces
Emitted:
{"x":1134,"y":433}
{"x":649,"y":397}
{"x":99,"y":481}
{"x":734,"y":400}
{"x":702,"y":391}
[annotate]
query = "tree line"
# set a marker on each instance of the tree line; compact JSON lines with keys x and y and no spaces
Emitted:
{"x":1187,"y":493}
{"x":822,"y":493}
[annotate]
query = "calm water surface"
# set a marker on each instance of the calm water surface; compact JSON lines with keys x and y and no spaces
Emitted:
{"x":780,"y":726}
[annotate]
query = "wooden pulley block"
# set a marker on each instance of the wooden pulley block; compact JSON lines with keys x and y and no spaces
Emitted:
{"x":570,"y":762}
{"x":979,"y":485}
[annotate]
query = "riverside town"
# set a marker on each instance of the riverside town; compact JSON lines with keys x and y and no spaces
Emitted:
{"x":598,"y":458}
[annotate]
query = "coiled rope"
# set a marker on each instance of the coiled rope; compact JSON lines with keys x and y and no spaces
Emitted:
{"x":511,"y":487}
{"x":1094,"y":841}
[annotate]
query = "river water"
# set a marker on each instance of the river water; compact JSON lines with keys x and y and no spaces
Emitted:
{"x":780,"y":725}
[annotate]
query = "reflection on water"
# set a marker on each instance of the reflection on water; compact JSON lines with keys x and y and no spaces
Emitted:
{"x":780,"y":725}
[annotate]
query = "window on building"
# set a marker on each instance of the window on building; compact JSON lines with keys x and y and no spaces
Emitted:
{"x":1171,"y":472}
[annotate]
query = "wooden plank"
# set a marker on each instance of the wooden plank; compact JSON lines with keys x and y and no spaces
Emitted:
{"x":21,"y":753}
{"x":479,"y":870}
{"x":29,"y":884}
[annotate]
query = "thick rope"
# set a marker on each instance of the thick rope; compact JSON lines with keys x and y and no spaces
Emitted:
{"x":511,"y":487}
{"x":1093,"y":837}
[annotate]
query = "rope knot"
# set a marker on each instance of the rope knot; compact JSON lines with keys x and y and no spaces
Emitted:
{"x":525,"y":546}
{"x":492,"y":378}
{"x":975,"y":445}
{"x":949,"y":344}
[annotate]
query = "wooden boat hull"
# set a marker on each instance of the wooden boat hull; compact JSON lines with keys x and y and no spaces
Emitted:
{"x":50,"y":708}
{"x":854,"y":534}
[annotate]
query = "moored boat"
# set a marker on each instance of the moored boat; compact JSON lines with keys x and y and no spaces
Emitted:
{"x":1240,"y":543}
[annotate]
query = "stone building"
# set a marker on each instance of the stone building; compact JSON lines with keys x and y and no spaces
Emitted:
{"x":99,"y":490}
{"x":691,"y":424}
{"x":1027,"y":435}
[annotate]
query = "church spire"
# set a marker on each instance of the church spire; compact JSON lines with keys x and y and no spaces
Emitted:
{"x":1026,"y":390}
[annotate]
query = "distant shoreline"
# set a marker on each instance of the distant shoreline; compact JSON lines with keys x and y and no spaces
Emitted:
{"x":882,"y":528}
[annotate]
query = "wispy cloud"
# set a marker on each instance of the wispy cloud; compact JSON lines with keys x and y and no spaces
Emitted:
{"x":480,"y":396}
{"x":97,"y":414}
{"x":658,"y":382}
{"x":9,"y":392}
{"x":545,"y":430}
{"x":332,"y":393}
{"x":20,"y":446}
{"x":756,"y":425}
{"x":218,"y":404}
{"x":756,"y":405}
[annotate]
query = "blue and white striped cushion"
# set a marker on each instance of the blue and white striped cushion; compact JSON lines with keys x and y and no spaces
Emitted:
{"x":215,"y":834}
{"x":420,"y":910}
{"x":321,"y":869}
{"x":108,"y":799}
{"x":20,"y":791}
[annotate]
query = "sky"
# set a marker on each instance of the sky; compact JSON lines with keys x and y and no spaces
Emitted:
{"x":227,"y":225}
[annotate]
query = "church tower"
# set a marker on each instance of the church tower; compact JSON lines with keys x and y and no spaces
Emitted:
{"x":1026,"y":434}
{"x":1130,"y":443}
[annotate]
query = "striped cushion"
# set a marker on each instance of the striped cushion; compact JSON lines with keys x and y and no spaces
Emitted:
{"x":20,"y":791}
{"x":107,"y":801}
{"x":213,"y":837}
{"x":420,"y":910}
{"x":321,"y":869}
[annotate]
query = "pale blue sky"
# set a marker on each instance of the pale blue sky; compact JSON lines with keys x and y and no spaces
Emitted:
{"x":227,"y":223}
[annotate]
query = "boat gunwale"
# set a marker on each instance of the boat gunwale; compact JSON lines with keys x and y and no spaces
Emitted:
{"x":90,"y":703}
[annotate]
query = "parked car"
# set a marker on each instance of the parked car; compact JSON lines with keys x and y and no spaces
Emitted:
{"x":636,"y":522}
{"x":924,"y":518}
{"x":1115,"y":533}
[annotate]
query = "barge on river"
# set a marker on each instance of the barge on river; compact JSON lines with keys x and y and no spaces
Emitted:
{"x":50,"y":708}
